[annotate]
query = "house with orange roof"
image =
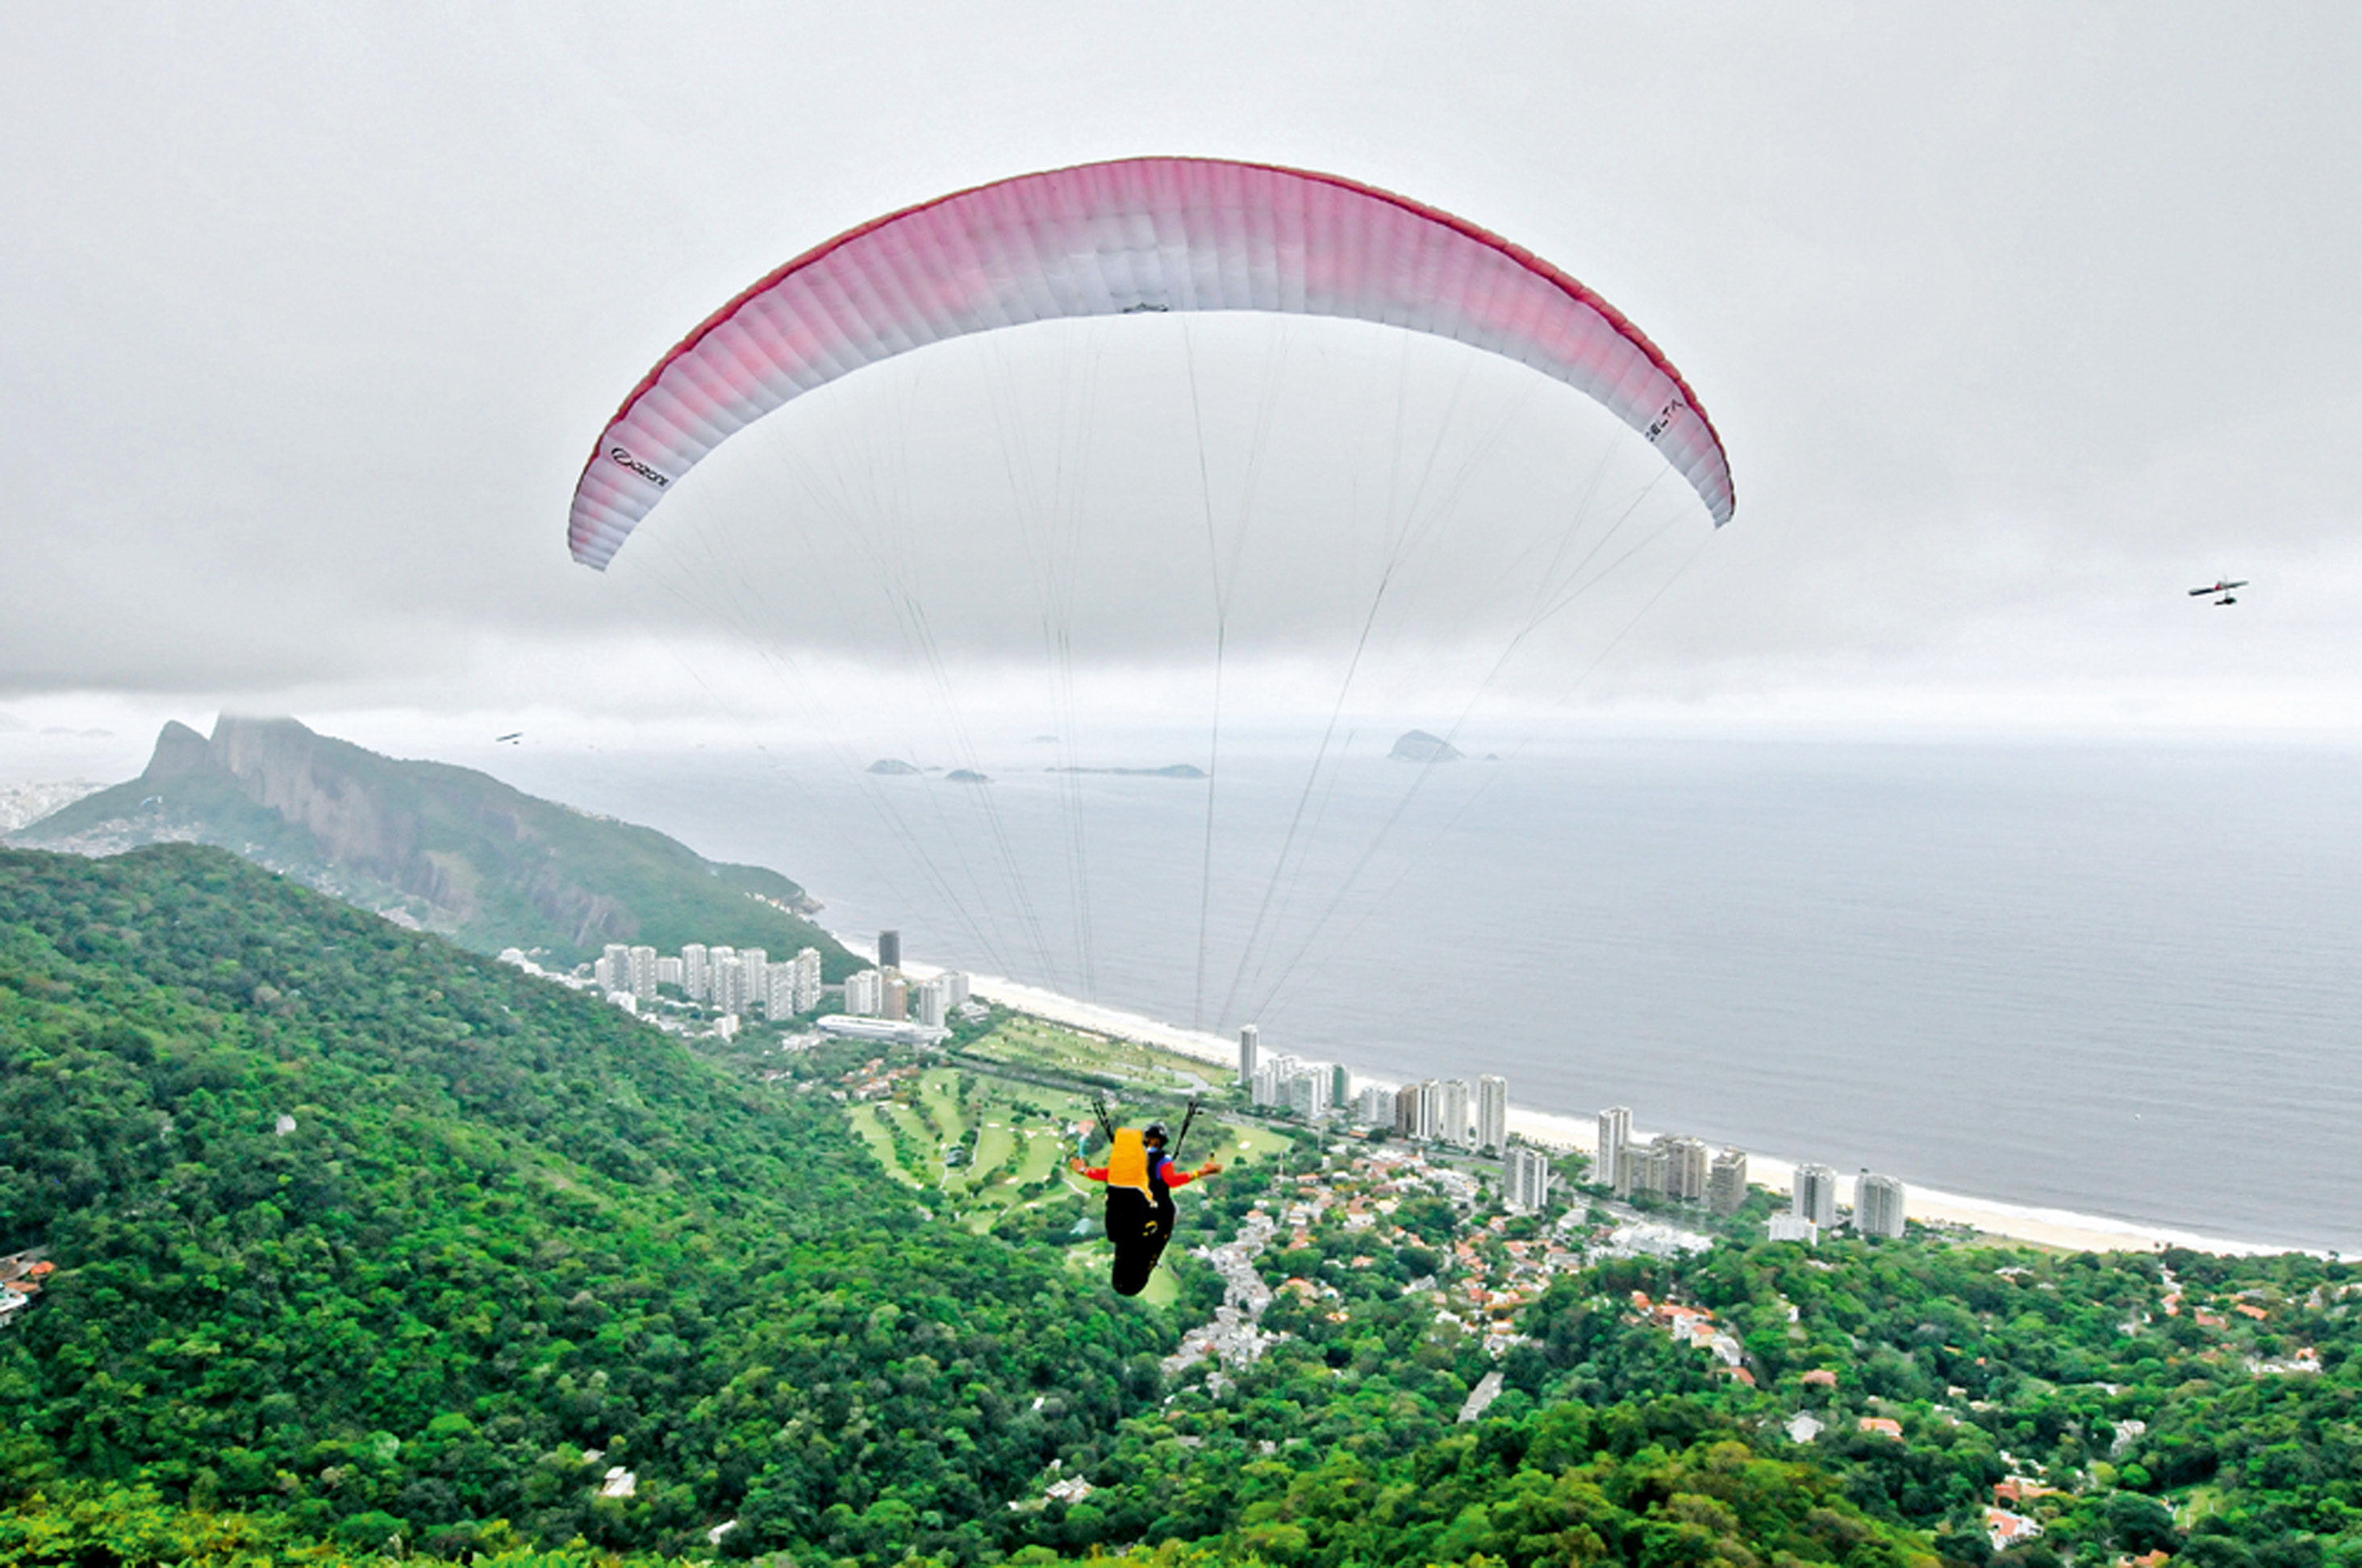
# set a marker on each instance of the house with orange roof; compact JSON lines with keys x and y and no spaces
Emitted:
{"x":1820,"y":1377}
{"x":2006,"y":1529}
{"x":1884,"y":1426}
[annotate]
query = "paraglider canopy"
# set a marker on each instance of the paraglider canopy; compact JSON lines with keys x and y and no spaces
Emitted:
{"x":1148,"y":235}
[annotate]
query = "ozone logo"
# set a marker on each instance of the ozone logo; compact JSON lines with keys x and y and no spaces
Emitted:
{"x":623,"y":458}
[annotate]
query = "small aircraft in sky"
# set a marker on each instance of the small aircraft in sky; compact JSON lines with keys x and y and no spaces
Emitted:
{"x":2223,"y":587}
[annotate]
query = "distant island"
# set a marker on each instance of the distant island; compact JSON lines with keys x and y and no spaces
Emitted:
{"x":1171,"y":770}
{"x":893,"y":767}
{"x":966,"y":776}
{"x":1417,"y":745}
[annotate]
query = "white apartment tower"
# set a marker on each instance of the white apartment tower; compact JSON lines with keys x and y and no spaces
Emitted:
{"x":642,"y":972}
{"x":1815,"y":1195}
{"x":726,"y":985}
{"x":1429,"y":1126}
{"x":1376,"y":1108}
{"x":756,"y":965}
{"x":806,"y":969}
{"x":1526,"y":1179}
{"x":1455,"y":1119}
{"x":1615,"y":1132}
{"x":1249,"y":1042}
{"x":865,"y":993}
{"x":1878,"y":1203}
{"x":693,"y":958}
{"x":614,"y":968}
{"x":1492,"y":1113}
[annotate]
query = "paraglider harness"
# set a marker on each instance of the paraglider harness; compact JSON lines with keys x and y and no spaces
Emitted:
{"x":1140,"y":1209}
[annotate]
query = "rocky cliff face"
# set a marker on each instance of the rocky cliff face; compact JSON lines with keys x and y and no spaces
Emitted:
{"x":310,"y":781}
{"x":446,"y":848}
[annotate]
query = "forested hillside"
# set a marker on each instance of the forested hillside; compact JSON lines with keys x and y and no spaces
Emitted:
{"x":353,"y":1225}
{"x":362,"y":1240}
{"x":453,"y":850}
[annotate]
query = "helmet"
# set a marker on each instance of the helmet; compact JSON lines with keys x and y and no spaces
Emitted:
{"x":1155,"y":1131}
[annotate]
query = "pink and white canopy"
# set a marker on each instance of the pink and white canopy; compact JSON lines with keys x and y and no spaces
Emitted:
{"x":1145,"y":234}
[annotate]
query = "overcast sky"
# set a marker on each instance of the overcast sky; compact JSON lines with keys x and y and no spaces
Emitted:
{"x":2018,"y":322}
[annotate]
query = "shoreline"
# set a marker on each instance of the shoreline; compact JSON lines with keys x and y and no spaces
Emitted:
{"x":2061,"y":1228}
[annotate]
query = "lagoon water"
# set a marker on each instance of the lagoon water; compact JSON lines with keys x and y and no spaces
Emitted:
{"x":2116,"y":978}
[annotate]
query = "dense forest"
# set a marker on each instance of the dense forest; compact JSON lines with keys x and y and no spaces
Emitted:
{"x":362,"y":1243}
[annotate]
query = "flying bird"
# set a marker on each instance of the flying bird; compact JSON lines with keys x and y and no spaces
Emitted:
{"x":511,"y":738}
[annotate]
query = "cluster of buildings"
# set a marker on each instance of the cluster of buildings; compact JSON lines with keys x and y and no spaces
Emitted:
{"x":734,"y":981}
{"x":1685,"y":1169}
{"x":1688,"y":1170}
{"x":1436,"y":1111}
{"x":1431,"y":1110}
{"x":880,"y":1004}
{"x":1877,"y":1206}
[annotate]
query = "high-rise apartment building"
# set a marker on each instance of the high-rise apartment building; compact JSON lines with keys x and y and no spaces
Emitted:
{"x":1341,"y":1086}
{"x":693,"y":958}
{"x":894,"y":999}
{"x":1249,"y":1041}
{"x":1687,"y":1160}
{"x":714,"y":958}
{"x":1492,"y":1113}
{"x":1406,"y":1111}
{"x":642,"y":984}
{"x":1526,"y":1178}
{"x":1271,"y":1079}
{"x":889,"y":949}
{"x":668,"y":972}
{"x":1725,"y":1182}
{"x":1306,"y":1092}
{"x":1430,"y":1111}
{"x":756,"y":965}
{"x":617,"y":957}
{"x":1376,"y":1108}
{"x":807,"y":973}
{"x":1614,"y":1131}
{"x":726,"y":983}
{"x":1878,"y":1205}
{"x":931,"y":1003}
{"x":1452,"y":1116}
{"x":1643,"y":1167}
{"x":865,"y":993}
{"x":1816,"y":1197}
{"x":957,"y":981}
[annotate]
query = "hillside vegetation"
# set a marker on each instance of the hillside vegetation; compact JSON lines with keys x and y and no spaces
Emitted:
{"x":365,"y":1244}
{"x":456,"y":851}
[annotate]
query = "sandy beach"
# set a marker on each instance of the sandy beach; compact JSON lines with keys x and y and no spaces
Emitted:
{"x":2020,"y":1223}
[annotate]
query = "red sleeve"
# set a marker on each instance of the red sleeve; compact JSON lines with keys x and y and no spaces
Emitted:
{"x":1096,"y":1173}
{"x":1175,"y":1177}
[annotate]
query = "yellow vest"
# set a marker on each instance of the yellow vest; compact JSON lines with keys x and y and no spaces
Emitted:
{"x":1128,"y":1161}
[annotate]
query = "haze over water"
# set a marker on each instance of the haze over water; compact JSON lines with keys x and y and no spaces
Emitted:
{"x":2116,"y":978}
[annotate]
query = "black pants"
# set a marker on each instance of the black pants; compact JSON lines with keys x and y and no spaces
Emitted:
{"x":1139,"y":1225}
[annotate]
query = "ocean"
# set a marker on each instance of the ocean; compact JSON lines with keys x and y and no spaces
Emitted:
{"x":2112,"y":977}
